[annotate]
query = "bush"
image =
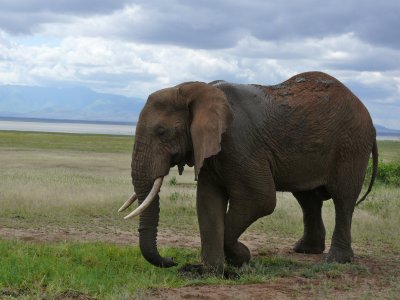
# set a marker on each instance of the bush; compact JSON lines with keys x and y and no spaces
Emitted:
{"x":172,"y":181}
{"x":388,"y":173}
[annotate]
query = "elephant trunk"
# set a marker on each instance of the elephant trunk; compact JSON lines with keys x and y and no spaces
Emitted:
{"x":148,"y":236}
{"x":143,"y":183}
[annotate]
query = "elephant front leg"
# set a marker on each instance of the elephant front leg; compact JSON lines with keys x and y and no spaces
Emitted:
{"x":246,"y":206}
{"x":212,"y":202}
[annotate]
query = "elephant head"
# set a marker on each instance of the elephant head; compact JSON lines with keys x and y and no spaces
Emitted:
{"x":177,"y":126}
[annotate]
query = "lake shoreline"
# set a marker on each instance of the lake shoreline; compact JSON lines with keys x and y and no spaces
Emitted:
{"x":67,"y":121}
{"x":68,"y":127}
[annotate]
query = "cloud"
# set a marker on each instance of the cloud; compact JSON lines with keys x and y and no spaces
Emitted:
{"x":70,"y":6}
{"x":206,"y":24}
{"x":27,"y":17}
{"x":137,"y":69}
{"x":137,"y":47}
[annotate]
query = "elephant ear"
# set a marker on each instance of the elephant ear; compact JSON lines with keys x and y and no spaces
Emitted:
{"x":211,"y":115}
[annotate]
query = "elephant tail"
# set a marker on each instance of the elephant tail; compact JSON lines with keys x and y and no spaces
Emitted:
{"x":374,"y":171}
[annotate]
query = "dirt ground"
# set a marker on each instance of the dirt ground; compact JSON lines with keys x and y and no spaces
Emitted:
{"x":373,"y":285}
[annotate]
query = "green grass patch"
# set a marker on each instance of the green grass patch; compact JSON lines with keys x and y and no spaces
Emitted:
{"x":111,"y":271}
{"x":47,"y":270}
{"x":172,"y":181}
{"x":66,"y":141}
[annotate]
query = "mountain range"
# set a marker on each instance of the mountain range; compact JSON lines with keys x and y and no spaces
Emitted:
{"x":70,"y":103}
{"x":383,"y":131}
{"x":80,"y":103}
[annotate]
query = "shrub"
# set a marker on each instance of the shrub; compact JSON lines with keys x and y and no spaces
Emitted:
{"x":172,"y":181}
{"x":388,"y":173}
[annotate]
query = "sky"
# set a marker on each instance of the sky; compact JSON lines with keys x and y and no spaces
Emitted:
{"x":134,"y":48}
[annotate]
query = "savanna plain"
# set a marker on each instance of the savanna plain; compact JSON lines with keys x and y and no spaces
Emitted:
{"x":61,"y":236}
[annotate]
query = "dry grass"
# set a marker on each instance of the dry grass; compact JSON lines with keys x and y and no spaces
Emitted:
{"x":58,"y":187}
{"x":62,"y":188}
{"x":389,"y":151}
{"x":70,"y":189}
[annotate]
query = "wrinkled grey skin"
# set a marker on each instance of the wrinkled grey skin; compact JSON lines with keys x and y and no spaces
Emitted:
{"x":309,"y":135}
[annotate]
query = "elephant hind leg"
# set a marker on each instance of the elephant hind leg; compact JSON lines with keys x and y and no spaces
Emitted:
{"x":313,"y":239}
{"x":345,"y":191}
{"x":341,"y":250}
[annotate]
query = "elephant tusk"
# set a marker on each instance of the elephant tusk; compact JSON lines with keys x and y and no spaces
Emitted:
{"x":128,"y":202}
{"x":150,"y":197}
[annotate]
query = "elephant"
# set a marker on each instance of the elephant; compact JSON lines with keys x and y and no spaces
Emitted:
{"x":309,"y":135}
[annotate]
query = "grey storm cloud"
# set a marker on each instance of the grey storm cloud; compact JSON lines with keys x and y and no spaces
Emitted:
{"x":63,"y":6}
{"x":25,"y":16}
{"x":378,"y":60}
{"x":219,"y":24}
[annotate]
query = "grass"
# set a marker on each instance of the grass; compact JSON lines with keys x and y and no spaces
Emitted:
{"x":65,"y":141}
{"x":90,"y":268}
{"x":389,"y":151}
{"x":51,"y":182}
{"x":66,"y":188}
{"x":109,"y":271}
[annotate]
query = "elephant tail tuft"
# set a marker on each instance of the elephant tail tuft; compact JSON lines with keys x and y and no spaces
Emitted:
{"x":374,"y":171}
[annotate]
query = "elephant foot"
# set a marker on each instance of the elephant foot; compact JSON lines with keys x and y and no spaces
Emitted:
{"x":237,"y":255}
{"x":202,"y":271}
{"x":193,"y":270}
{"x":309,"y":247}
{"x":339,"y":255}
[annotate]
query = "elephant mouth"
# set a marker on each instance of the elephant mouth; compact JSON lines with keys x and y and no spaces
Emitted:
{"x":176,"y":160}
{"x":180,"y":161}
{"x":150,"y":198}
{"x":181,"y":168}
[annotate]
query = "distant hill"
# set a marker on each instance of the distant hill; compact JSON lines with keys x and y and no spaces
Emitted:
{"x":386,"y":131}
{"x":72,"y":103}
{"x":80,"y":103}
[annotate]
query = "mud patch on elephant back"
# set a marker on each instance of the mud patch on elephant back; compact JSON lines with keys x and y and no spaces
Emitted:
{"x":325,"y":82}
{"x":300,"y":79}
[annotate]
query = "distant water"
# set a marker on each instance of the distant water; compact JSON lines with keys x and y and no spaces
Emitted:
{"x":388,"y":138}
{"x":68,"y":127}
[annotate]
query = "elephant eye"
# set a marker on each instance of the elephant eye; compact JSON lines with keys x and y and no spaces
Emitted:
{"x":160,"y":130}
